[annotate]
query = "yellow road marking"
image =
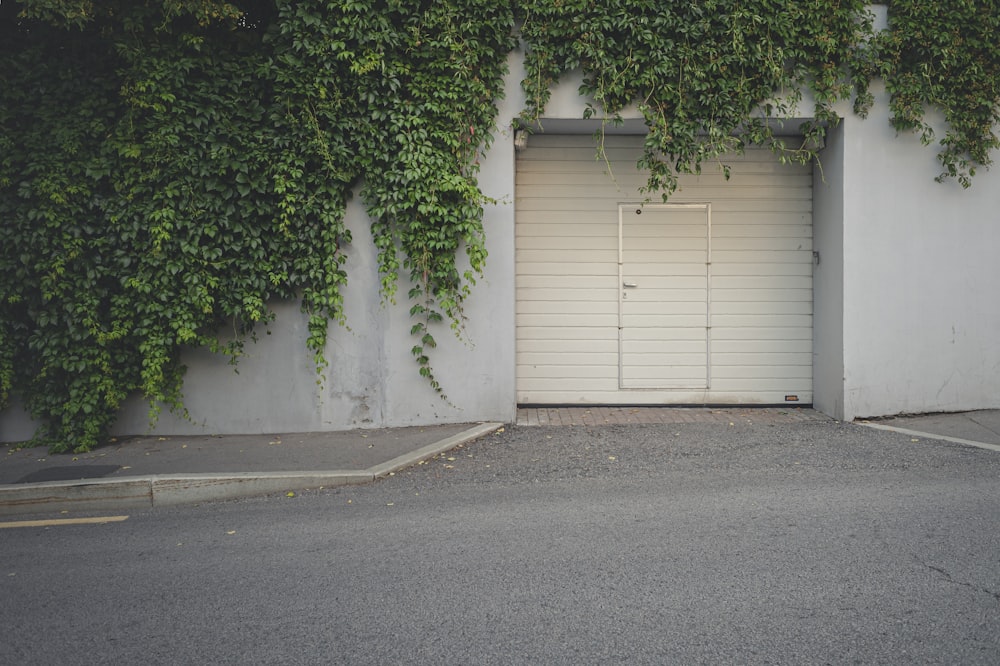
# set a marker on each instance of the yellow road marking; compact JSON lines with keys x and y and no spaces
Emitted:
{"x":95,"y":520}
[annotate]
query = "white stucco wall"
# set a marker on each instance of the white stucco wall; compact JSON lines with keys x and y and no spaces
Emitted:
{"x":828,"y":277}
{"x":921,"y":314}
{"x":372,"y":379}
{"x":906,"y":314}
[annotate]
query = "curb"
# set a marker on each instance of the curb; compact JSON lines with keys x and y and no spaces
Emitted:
{"x":146,"y":492}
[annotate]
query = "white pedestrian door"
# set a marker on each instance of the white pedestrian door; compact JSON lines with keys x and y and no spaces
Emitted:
{"x":664,"y":300}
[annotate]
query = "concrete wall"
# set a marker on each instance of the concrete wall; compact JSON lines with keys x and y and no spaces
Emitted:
{"x":828,"y":277}
{"x":372,"y":379}
{"x":921,"y":313}
{"x":907,"y":318}
{"x":906,"y":311}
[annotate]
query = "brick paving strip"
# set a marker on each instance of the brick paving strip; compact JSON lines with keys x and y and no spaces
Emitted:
{"x":605,"y":415}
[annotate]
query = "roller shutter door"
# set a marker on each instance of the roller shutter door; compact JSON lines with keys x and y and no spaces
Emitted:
{"x":704,"y":300}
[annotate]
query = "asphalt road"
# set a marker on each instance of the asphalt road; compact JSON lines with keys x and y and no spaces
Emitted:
{"x":820,"y":543}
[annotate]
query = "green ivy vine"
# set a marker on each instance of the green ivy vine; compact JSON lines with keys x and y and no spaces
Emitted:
{"x":168,"y":168}
{"x":946,"y":56}
{"x":708,"y":77}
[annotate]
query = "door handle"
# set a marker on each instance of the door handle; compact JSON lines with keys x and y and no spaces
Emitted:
{"x":630,"y":285}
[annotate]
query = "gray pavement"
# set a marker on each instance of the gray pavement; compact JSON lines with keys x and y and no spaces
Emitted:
{"x":138,"y":472}
{"x":142,"y":472}
{"x":750,"y":539}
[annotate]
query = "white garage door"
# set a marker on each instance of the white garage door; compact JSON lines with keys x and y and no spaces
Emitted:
{"x":704,"y":300}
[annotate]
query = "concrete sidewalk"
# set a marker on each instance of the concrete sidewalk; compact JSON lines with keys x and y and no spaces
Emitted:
{"x":979,"y":428}
{"x":141,"y":472}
